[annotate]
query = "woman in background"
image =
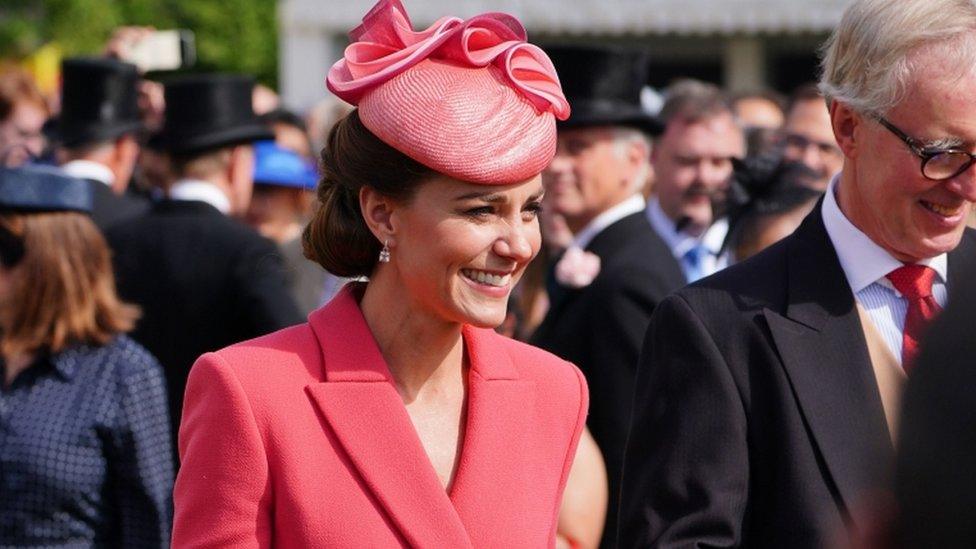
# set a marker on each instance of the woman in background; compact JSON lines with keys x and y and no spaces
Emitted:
{"x":84,"y":445}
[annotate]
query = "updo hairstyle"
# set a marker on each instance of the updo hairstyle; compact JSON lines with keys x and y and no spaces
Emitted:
{"x":337,"y":237}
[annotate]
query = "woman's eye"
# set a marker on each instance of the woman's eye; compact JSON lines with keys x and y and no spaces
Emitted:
{"x":480,"y":211}
{"x":531,"y":211}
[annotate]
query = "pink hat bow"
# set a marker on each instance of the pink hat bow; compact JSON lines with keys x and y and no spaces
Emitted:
{"x":480,"y":77}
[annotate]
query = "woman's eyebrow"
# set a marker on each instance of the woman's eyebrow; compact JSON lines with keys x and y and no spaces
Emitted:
{"x":486,"y":196}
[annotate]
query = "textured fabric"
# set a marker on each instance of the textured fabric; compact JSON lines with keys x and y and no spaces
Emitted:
{"x":600,"y":329}
{"x":299,"y":439}
{"x":681,"y":242}
{"x":109,"y":209}
{"x":866,"y":265}
{"x":692,"y":262}
{"x":469,"y":99}
{"x":608,"y":217}
{"x":203,"y":280}
{"x":307,"y":280}
{"x":915,"y":284}
{"x":39,"y":188}
{"x":759,"y":421}
{"x":85,"y":451}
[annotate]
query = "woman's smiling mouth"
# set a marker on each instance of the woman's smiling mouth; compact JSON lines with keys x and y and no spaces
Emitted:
{"x":487,"y":278}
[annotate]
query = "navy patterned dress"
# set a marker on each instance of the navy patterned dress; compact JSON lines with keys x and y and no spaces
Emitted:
{"x":85,"y":451}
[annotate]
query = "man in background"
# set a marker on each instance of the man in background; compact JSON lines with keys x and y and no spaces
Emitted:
{"x":808,"y":137}
{"x":597,"y":317}
{"x":768,"y":394}
{"x":98,"y":130}
{"x":204,"y":280}
{"x":692,"y":162}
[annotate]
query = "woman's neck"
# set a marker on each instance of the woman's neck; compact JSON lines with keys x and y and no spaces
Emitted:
{"x":422,"y":351}
{"x":14,"y":365}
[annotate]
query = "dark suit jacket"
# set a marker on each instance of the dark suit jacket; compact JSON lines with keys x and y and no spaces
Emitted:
{"x":110,"y":209}
{"x":600,"y":329}
{"x":204,"y":281}
{"x":935,"y":480}
{"x":758,"y":420}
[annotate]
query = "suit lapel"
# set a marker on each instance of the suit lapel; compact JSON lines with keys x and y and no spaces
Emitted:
{"x":823,"y":350}
{"x":497,"y":436}
{"x":362,"y":407}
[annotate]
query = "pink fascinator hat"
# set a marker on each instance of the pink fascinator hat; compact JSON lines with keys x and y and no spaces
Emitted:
{"x":470,"y":99}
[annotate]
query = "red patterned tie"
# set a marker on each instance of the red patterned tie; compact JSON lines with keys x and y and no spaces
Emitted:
{"x":915,"y":284}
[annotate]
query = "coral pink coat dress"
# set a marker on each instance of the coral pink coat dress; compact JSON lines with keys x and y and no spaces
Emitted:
{"x":299,"y":439}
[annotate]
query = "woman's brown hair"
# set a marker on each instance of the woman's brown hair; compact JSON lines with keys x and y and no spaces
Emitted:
{"x":337,"y":237}
{"x":64,"y":289}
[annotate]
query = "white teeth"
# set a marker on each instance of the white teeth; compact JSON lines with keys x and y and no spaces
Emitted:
{"x":487,"y":278}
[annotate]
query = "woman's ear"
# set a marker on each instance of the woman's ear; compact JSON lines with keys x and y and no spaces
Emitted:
{"x":845,"y":122}
{"x":378,"y":213}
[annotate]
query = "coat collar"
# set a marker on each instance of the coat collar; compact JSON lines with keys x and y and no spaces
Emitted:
{"x":360,"y":404}
{"x":824,"y":353}
{"x":823,"y":349}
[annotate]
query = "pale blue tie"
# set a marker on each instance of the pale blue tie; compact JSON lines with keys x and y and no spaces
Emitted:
{"x":693,"y":262}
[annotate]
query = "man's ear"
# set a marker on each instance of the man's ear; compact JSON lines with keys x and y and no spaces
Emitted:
{"x":240,"y":177}
{"x":124,"y":156}
{"x":378,"y":213}
{"x":846,"y":123}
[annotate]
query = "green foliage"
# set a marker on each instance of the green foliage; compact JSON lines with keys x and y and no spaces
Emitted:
{"x":231,"y":35}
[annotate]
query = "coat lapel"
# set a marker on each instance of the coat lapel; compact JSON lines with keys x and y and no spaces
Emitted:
{"x":362,"y":407}
{"x":822,"y":347}
{"x":499,"y":430}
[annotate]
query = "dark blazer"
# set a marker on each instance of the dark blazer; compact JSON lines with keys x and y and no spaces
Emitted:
{"x":934,"y":483}
{"x":110,"y":209}
{"x":204,"y":281}
{"x":758,"y":420}
{"x":600,"y":328}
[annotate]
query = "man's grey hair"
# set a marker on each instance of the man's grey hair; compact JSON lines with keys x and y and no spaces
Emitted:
{"x":623,"y":139}
{"x":880,"y":45}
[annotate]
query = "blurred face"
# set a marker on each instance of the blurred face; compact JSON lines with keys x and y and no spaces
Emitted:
{"x":23,"y":128}
{"x":460,"y":248}
{"x":884,"y":193}
{"x":293,"y":139}
{"x":591,"y":172}
{"x":756,"y":112}
{"x":692,"y":166}
{"x":809,"y":139}
{"x":275,"y":211}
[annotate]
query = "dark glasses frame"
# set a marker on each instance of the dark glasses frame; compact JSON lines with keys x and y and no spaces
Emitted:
{"x":927,"y":154}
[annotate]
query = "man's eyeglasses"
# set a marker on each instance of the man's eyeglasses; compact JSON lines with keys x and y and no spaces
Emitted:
{"x":937,"y":164}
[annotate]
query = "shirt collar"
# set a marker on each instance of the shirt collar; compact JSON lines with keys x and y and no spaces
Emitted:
{"x":863,"y":261}
{"x":86,"y":169}
{"x":681,"y":242}
{"x":613,"y":214}
{"x":200,"y":191}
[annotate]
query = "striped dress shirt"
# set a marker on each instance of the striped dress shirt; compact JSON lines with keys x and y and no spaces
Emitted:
{"x":866,"y":264}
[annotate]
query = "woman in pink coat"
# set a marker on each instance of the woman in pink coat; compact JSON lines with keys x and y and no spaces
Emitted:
{"x":396,"y":416}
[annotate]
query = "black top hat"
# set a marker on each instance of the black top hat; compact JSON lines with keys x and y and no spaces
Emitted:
{"x":603,"y":86}
{"x":99,"y":100}
{"x":209,"y":111}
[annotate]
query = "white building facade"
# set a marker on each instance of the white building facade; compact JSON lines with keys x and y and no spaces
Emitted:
{"x":741,"y":44}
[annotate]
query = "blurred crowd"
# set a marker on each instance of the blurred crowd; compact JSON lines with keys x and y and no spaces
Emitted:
{"x":174,"y":213}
